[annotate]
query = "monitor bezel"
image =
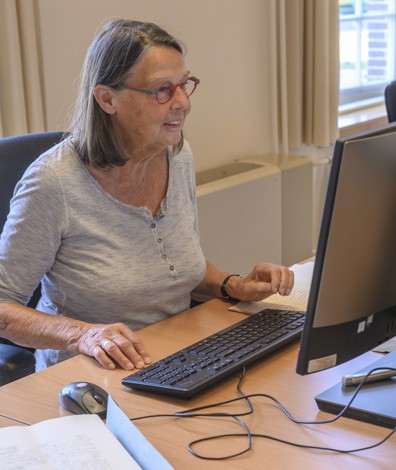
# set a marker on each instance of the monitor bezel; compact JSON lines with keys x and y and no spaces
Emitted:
{"x":324,"y":347}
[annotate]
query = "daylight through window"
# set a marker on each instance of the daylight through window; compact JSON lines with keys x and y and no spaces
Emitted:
{"x":367,"y":48}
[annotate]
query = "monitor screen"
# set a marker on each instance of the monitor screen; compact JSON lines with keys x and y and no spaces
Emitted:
{"x":352,"y":301}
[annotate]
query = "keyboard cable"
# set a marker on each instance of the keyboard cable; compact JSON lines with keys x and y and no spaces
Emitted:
{"x":248,"y":435}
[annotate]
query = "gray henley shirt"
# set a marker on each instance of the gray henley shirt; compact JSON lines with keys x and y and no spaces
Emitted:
{"x":99,"y":260}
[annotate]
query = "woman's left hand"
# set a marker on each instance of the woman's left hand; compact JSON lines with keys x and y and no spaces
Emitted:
{"x":264,"y":280}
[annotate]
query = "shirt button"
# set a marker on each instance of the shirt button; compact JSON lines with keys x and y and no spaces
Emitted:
{"x":164,"y":256}
{"x":171,"y":267}
{"x":152,"y":225}
{"x":159,"y":240}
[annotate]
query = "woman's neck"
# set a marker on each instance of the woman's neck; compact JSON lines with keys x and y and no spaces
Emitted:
{"x":141,"y":182}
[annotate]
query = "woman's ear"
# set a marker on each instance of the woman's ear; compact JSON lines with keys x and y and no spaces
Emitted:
{"x":104,"y":97}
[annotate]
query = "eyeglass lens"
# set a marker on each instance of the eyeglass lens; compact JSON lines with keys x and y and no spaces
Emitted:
{"x":166,"y":92}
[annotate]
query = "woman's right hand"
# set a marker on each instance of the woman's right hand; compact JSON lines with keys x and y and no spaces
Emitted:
{"x":113,"y":345}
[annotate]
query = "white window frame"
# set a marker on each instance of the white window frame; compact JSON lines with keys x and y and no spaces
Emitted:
{"x":365,"y":93}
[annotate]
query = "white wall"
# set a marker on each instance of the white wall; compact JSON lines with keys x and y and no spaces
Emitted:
{"x":227,"y":47}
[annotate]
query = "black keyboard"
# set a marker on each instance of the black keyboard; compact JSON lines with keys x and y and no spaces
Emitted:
{"x":196,"y":367}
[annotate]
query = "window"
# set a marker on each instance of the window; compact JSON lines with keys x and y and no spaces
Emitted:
{"x":367,"y":48}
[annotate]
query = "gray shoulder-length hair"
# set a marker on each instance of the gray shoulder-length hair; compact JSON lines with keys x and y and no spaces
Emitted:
{"x":116,"y":48}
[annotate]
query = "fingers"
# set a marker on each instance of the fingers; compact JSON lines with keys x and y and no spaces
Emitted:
{"x":114,"y":344}
{"x":266,"y":279}
{"x":280,"y":277}
{"x":100,"y":355}
{"x":289,"y":283}
{"x":128,"y":351}
{"x":282,"y":280}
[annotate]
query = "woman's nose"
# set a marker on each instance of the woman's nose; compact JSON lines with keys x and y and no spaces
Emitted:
{"x":180,"y":99}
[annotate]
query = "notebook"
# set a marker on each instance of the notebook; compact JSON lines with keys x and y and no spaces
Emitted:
{"x":375,"y":402}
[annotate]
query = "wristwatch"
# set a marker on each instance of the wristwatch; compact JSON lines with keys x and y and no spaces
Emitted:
{"x":223,"y":290}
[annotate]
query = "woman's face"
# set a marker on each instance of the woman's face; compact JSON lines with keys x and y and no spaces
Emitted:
{"x":143,"y":125}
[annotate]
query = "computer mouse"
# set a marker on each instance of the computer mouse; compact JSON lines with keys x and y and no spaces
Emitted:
{"x":84,"y":398}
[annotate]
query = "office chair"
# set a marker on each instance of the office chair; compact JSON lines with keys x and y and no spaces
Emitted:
{"x":390,"y":101}
{"x":16,"y":154}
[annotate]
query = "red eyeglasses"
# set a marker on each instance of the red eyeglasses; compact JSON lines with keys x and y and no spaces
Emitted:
{"x":165,"y":92}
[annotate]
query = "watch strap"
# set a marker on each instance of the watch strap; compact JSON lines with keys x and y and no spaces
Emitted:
{"x":223,"y":286}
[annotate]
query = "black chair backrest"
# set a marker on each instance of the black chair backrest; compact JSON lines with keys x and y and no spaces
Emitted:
{"x":390,"y":101}
{"x":16,"y":154}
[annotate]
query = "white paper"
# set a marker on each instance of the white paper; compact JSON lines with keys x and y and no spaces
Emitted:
{"x":297,"y":300}
{"x":75,"y":442}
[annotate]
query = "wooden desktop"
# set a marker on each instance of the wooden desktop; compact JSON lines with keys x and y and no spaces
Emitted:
{"x":35,"y":398}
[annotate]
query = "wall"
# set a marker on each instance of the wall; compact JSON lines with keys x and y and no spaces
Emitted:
{"x":228,"y":49}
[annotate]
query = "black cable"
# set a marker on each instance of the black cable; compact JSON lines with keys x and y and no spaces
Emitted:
{"x":193,"y":413}
{"x":283,"y":441}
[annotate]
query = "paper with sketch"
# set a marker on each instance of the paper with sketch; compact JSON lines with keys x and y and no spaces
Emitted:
{"x":297,"y":300}
{"x":133,"y":440}
{"x":80,"y":442}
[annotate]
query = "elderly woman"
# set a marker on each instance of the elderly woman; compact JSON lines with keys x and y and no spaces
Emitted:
{"x":107,"y":219}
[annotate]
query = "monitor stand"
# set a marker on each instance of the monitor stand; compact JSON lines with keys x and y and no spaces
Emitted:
{"x":375,"y":402}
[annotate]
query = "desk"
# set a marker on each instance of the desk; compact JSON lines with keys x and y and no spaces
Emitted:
{"x":35,"y":398}
{"x":8,"y":422}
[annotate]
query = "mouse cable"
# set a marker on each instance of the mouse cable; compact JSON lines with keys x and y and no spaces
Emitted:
{"x":235,"y":416}
{"x":276,"y":439}
{"x":192,"y":413}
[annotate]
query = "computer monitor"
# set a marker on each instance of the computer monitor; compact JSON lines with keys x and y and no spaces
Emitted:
{"x":352,"y":302}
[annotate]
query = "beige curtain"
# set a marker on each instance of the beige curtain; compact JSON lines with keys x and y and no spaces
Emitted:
{"x":21,"y":95}
{"x":304,"y":73}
